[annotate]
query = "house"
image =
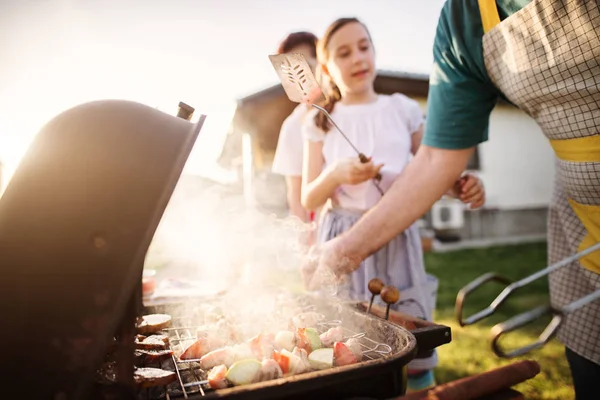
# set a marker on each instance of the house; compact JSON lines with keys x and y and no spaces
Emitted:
{"x":516,"y":164}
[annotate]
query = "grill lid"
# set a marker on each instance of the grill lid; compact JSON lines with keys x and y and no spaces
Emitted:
{"x":75,"y":223}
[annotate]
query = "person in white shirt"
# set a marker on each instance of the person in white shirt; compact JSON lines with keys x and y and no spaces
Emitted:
{"x":388,"y":129}
{"x":288,"y":155}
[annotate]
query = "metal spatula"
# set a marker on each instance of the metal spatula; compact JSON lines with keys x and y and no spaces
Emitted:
{"x":301,"y":86}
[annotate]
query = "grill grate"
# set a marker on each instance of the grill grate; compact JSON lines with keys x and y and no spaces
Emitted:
{"x":191,"y":378}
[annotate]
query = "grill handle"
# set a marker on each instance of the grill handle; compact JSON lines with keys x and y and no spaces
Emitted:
{"x":430,"y":337}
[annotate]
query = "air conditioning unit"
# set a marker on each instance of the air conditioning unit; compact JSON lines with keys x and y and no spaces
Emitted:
{"x":447,"y":214}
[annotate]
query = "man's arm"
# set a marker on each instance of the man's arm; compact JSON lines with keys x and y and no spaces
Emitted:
{"x":424,"y":181}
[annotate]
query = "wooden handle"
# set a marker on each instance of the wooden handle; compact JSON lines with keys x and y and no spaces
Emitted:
{"x":399,"y":318}
{"x":390,"y":295}
{"x":375,"y":286}
{"x":473,"y":387}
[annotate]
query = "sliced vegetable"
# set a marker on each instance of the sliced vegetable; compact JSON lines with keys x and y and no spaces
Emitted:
{"x":216,"y":377}
{"x":196,"y":350}
{"x":285,"y":340}
{"x":225,"y":356}
{"x":308,"y":339}
{"x":321,"y":358}
{"x":342,"y":355}
{"x":244,"y":372}
{"x":283,"y":360}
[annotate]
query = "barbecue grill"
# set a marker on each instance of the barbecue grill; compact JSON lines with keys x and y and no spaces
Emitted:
{"x":76,"y":221}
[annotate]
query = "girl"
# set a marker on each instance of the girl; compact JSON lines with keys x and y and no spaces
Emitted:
{"x":288,"y":155}
{"x":389,"y":129}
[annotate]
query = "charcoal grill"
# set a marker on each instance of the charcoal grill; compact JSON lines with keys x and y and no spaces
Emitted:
{"x":387,"y":349}
{"x":76,"y":222}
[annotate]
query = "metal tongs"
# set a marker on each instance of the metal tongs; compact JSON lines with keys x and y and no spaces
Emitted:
{"x":525,"y":318}
{"x":301,"y":86}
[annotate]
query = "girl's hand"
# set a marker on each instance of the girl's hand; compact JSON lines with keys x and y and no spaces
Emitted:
{"x":469,"y":189}
{"x":352,"y":171}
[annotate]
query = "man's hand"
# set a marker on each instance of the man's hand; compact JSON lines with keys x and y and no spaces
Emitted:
{"x":327,"y":264}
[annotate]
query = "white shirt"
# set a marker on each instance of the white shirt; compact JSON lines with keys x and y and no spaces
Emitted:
{"x":288,"y":155}
{"x":381,"y":129}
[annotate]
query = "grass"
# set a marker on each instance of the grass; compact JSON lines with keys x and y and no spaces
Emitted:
{"x":470,"y":351}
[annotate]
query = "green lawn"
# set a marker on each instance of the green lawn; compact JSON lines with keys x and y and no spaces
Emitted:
{"x":470,"y":351}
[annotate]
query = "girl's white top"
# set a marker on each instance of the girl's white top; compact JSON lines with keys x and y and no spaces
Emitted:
{"x":289,"y":152}
{"x":381,"y":129}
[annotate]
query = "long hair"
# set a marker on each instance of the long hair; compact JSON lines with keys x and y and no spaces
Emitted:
{"x":332,"y":91}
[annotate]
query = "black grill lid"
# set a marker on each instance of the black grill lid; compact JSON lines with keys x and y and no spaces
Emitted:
{"x":75,"y":223}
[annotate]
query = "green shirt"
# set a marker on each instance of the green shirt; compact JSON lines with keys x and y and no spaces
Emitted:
{"x":461,"y":94}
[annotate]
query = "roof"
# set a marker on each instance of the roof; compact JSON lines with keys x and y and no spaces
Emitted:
{"x":261,"y":113}
{"x":412,"y":84}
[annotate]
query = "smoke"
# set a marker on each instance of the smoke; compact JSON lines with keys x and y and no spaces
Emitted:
{"x":247,"y":262}
{"x":208,"y":234}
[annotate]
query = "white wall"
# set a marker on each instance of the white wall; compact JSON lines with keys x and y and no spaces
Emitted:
{"x":517,"y":162}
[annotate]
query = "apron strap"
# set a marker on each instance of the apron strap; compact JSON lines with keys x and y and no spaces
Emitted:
{"x":489,"y":14}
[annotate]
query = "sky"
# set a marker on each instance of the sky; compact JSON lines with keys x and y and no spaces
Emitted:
{"x":56,"y":54}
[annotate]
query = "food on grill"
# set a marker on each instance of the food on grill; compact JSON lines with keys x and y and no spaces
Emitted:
{"x":243,"y":351}
{"x":154,"y":342}
{"x":216,"y":377}
{"x":301,"y":363}
{"x":321,"y":358}
{"x":262,"y":345}
{"x":331,"y":336}
{"x":153,"y":323}
{"x":244,"y":372}
{"x":151,"y":356}
{"x":149,"y":377}
{"x":225,"y":356}
{"x":266,"y":356}
{"x":207,"y":341}
{"x":292,"y":363}
{"x":196,"y":350}
{"x":307,"y":319}
{"x":269,"y":370}
{"x":354,"y":345}
{"x":342,"y":355}
{"x":283,"y":359}
{"x":285,"y":340}
{"x":308,"y":339}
